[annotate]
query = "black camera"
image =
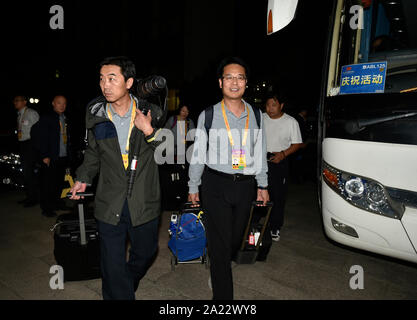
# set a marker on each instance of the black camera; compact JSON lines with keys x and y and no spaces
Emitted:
{"x":152,"y":94}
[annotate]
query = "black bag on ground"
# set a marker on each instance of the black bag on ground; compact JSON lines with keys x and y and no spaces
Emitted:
{"x":76,"y":245}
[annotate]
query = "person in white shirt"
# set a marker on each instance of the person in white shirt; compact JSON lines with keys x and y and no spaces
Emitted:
{"x":26,"y":118}
{"x":283,"y":137}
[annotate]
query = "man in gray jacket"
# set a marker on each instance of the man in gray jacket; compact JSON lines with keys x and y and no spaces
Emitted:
{"x":116,"y":127}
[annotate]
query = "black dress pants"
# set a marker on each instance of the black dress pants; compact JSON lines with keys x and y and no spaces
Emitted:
{"x":227,"y":206}
{"x":277,"y":187}
{"x":28,"y":154}
{"x":120,"y":278}
{"x":52,"y":182}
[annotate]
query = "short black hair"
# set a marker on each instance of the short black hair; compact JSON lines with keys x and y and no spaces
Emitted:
{"x":232,"y":60}
{"x":19,"y":95}
{"x":126,"y":65}
{"x":276,"y":95}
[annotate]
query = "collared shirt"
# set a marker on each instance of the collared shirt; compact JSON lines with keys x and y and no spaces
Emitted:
{"x":26,"y":118}
{"x":218,"y":156}
{"x":62,"y":140}
{"x":122,"y":124}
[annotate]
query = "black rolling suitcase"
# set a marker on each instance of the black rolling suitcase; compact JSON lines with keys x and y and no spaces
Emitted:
{"x":76,"y":245}
{"x":174,"y":185}
{"x":256,"y":240}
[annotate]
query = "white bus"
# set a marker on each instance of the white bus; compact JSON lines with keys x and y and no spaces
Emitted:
{"x":367,"y":130}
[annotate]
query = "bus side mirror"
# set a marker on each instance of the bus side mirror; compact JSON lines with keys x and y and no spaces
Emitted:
{"x":280,"y":14}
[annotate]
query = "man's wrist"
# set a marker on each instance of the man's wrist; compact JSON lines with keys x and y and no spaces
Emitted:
{"x":148,"y":131}
{"x":151,"y":137}
{"x":263,"y":187}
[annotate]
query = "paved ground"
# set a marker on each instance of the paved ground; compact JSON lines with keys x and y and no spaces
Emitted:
{"x":302,"y":265}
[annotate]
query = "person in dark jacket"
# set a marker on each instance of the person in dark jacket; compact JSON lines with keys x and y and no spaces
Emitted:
{"x":54,"y":155}
{"x":116,"y":128}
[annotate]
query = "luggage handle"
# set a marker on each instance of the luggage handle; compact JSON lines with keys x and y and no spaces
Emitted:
{"x":81,"y":194}
{"x":189,"y":203}
{"x":260,"y":204}
{"x":269,"y":205}
{"x":83,"y":238}
{"x":187,"y":207}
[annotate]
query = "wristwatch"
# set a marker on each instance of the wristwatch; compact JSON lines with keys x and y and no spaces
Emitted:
{"x":262,"y":188}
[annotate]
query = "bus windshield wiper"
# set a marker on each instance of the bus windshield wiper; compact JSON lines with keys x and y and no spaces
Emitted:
{"x":355,"y":126}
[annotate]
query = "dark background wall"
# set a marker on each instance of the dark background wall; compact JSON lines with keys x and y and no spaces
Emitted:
{"x":181,"y":40}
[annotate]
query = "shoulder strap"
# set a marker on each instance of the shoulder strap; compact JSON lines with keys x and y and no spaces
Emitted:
{"x":208,"y":119}
{"x":174,"y":121}
{"x":257,"y":113}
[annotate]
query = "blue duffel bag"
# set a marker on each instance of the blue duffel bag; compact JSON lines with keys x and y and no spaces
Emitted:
{"x":188,"y":237}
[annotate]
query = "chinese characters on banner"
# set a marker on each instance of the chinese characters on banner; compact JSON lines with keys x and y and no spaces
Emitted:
{"x":363,"y":78}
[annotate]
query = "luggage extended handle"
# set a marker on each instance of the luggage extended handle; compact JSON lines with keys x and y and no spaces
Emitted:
{"x":81,"y":194}
{"x":260,"y":203}
{"x":83,"y":239}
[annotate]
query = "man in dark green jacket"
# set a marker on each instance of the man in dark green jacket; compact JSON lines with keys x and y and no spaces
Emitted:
{"x":116,"y":127}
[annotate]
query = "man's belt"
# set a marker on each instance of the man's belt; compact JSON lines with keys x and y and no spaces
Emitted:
{"x":234,"y":177}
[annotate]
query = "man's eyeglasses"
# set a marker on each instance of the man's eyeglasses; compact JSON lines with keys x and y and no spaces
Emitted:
{"x":230,"y":78}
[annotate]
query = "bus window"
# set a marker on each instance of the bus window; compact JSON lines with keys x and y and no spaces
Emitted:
{"x":388,"y":32}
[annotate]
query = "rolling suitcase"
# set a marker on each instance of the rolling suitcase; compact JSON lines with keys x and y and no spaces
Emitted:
{"x":76,"y":245}
{"x":174,"y":186}
{"x":188,"y":242}
{"x":256,"y":240}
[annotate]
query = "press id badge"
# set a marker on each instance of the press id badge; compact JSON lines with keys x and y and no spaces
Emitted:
{"x":238,"y":159}
{"x":125,"y":157}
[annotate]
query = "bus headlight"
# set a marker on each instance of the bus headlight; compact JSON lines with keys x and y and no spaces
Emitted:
{"x":362,"y":192}
{"x":354,"y":187}
{"x":376,"y":194}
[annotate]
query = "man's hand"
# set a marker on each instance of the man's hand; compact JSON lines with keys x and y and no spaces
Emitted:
{"x":278,"y":156}
{"x":77,"y":187}
{"x":194,"y":198}
{"x":263,"y":195}
{"x":143,"y":123}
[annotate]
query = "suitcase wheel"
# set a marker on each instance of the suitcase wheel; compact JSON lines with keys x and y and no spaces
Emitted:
{"x":206,"y":261}
{"x":174,"y":262}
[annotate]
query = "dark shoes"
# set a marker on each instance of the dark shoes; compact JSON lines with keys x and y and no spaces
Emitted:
{"x":49,"y":214}
{"x":275,"y":235}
